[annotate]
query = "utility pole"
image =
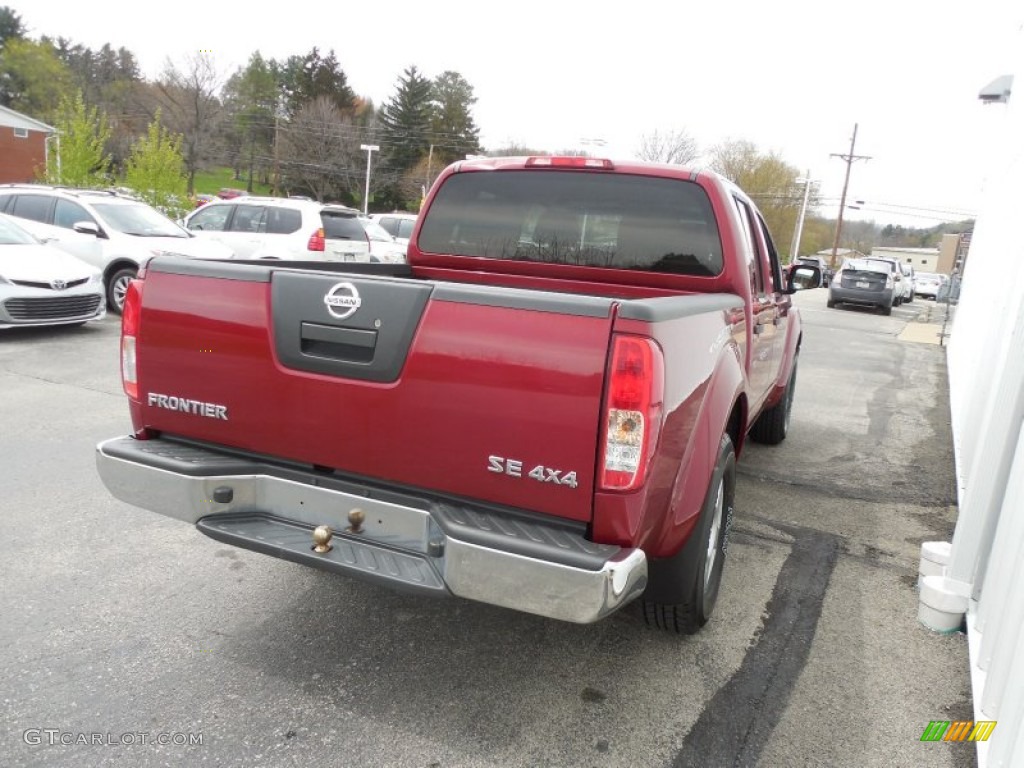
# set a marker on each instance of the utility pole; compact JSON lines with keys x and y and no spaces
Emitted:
{"x":277,"y":163}
{"x":369,"y":149}
{"x":430,"y":163}
{"x":842,"y":202}
{"x":795,"y":249}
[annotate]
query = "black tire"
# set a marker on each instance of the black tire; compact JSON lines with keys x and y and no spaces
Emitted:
{"x":830,"y":304}
{"x":682,"y":590}
{"x":911,"y":299}
{"x":886,"y":310}
{"x":772,"y":426}
{"x":117,"y":285}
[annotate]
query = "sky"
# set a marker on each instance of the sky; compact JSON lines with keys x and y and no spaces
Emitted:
{"x":792,"y":77}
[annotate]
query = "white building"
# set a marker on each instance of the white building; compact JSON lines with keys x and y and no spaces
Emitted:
{"x":921,"y":259}
{"x":979,"y":576}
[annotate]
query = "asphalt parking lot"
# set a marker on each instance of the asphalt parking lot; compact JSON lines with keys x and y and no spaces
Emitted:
{"x":133,"y":629}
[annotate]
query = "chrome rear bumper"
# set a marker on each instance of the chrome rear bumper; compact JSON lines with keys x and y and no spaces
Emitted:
{"x":402,"y":541}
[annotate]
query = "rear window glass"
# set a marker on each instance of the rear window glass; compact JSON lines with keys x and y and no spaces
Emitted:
{"x":889,"y":266}
{"x":867,"y":265}
{"x":577,"y":218}
{"x":341,"y":227}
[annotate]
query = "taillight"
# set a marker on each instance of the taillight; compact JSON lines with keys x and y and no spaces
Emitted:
{"x":130,"y":320}
{"x":632,"y":412}
{"x":573,"y":161}
{"x":316,"y":241}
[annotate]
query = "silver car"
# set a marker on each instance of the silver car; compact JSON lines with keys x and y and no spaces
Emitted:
{"x":43,"y":285}
{"x":865,"y":282}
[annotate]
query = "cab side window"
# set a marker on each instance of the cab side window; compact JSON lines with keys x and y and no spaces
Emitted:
{"x":774,"y":265}
{"x":751,"y":252}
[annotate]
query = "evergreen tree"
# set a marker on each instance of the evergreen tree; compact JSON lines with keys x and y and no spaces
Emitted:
{"x":307,"y":78}
{"x":406,"y":121}
{"x":250,"y":98}
{"x":11,"y":25}
{"x":454,"y":133}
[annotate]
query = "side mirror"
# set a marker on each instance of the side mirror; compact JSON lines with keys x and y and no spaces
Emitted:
{"x":86,"y":228}
{"x":800,"y":277}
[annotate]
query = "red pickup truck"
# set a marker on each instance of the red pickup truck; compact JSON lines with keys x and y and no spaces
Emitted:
{"x":541,"y":410}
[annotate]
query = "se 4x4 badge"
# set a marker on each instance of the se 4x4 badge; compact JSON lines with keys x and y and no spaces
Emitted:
{"x":540,"y":473}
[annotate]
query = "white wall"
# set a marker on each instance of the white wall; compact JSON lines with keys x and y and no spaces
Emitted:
{"x":986,"y":375}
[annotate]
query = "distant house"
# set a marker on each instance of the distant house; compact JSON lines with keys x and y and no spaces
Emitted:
{"x":842,"y":254}
{"x":22,"y":146}
{"x":922,"y":259}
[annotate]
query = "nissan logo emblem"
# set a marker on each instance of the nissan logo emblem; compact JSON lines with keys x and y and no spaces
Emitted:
{"x":342,"y":300}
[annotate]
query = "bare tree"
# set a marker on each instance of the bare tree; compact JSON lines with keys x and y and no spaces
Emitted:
{"x":675,"y":146}
{"x":191,"y":106}
{"x":319,"y":149}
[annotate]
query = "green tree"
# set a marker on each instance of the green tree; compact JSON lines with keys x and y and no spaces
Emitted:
{"x":80,"y":159}
{"x":310,"y":77}
{"x":11,"y":26}
{"x":156,"y":171}
{"x":109,"y":79}
{"x":769,"y":181}
{"x":33,"y":79}
{"x":250,"y":98}
{"x":406,"y":121}
{"x":453,"y":132}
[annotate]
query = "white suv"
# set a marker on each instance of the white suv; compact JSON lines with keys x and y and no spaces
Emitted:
{"x":129,"y":231}
{"x":398,"y":225}
{"x":285,"y":228}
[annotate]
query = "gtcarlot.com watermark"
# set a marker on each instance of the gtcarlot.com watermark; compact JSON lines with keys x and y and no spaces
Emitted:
{"x":50,"y":737}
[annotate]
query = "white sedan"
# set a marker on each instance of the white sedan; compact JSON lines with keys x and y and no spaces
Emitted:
{"x":43,"y":285}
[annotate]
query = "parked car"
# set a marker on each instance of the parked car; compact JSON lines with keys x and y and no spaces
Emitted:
{"x":909,"y":282}
{"x":398,"y":225}
{"x":43,"y":285}
{"x":129,"y":231}
{"x":282,"y":228}
{"x":895,"y":268}
{"x":864,"y":282}
{"x":384,"y":248}
{"x":929,"y":283}
{"x":819,"y":262}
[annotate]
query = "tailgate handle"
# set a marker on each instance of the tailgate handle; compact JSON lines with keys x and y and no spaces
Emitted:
{"x":349,"y":344}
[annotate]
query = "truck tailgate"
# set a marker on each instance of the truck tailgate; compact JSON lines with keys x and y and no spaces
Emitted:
{"x":477,"y":392}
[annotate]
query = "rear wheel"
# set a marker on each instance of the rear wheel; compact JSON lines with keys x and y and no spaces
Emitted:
{"x":886,"y":310}
{"x":830,"y":304}
{"x":772,"y":426}
{"x":682,"y":590}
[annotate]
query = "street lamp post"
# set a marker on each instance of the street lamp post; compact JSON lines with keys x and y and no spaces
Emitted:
{"x":795,"y":250}
{"x":369,"y":149}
